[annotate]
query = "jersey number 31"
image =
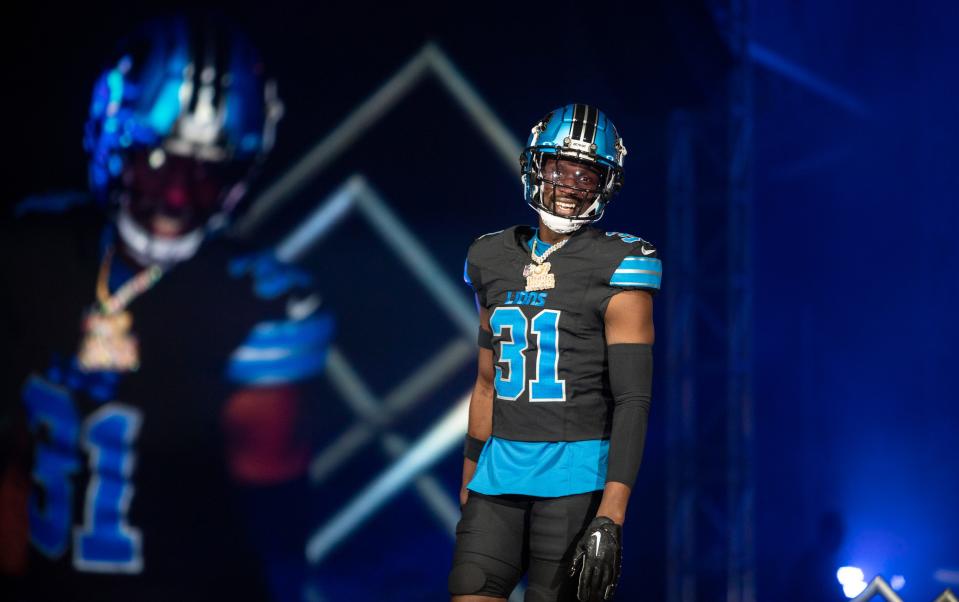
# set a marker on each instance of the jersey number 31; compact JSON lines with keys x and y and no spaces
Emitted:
{"x":545,"y":384}
{"x":105,"y":543}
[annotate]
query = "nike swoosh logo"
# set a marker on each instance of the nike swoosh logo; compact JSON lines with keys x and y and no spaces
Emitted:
{"x":599,"y":537}
{"x":647,"y":251}
{"x":298,"y":309}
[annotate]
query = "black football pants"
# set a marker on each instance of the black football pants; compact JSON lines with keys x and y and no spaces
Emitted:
{"x":501,"y":537}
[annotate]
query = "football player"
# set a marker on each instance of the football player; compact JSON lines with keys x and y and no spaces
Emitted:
{"x":558,"y":414}
{"x":155,"y":365}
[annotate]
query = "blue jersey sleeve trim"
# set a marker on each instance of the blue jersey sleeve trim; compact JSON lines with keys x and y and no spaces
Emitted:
{"x":645,"y":272}
{"x":283,"y":351}
{"x":281,"y":370}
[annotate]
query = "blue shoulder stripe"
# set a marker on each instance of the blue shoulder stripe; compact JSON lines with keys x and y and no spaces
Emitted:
{"x":646,"y":272}
{"x":282,"y":351}
{"x":466,"y":272}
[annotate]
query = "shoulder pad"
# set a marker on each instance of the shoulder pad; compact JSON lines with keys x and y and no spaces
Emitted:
{"x":282,"y":351}
{"x":484,"y":249}
{"x":488,"y":234}
{"x":639,"y":266}
{"x":290,"y":345}
{"x":643,"y":247}
{"x":487,"y":239}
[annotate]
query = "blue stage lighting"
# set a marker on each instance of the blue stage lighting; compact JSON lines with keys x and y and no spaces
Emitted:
{"x":947,"y":576}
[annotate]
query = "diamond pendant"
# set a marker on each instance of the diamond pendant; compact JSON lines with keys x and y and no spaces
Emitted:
{"x":538,"y":277}
{"x":108,"y":344}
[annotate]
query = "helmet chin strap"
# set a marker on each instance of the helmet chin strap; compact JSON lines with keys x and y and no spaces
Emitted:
{"x":148,"y":249}
{"x":560,"y":225}
{"x":565,"y":225}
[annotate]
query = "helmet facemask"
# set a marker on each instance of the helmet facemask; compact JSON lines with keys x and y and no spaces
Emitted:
{"x":171,"y":195}
{"x":551,"y":189}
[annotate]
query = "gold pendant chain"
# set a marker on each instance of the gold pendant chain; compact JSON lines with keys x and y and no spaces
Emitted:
{"x":538,"y":259}
{"x":538,"y":277}
{"x":108,"y":344}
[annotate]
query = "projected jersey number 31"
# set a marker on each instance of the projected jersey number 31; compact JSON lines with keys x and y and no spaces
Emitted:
{"x":545,"y":385}
{"x":105,"y":543}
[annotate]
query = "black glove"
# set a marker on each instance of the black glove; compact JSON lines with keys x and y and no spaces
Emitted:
{"x":599,"y":559}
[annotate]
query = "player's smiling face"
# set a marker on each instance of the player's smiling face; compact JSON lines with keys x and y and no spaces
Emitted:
{"x":169,"y":195}
{"x":569,"y":187}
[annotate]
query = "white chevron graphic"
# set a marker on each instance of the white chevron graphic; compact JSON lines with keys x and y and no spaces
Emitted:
{"x":430,"y":60}
{"x":375,"y":415}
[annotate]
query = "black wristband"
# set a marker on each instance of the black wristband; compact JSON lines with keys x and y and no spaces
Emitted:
{"x":472,"y":448}
{"x":484,"y":338}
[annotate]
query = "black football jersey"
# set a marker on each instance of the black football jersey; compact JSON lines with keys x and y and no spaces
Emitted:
{"x":549,"y":346}
{"x":130,"y":496}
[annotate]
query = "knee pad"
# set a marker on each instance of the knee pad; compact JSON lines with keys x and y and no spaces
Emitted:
{"x":466,"y":578}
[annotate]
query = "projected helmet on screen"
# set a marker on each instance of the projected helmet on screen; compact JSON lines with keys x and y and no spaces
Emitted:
{"x":176,"y":128}
{"x":572,"y":166}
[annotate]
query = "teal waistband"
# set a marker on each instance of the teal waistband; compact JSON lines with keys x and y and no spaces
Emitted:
{"x":543,"y":469}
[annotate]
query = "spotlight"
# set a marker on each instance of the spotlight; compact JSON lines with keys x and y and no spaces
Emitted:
{"x":852,"y":580}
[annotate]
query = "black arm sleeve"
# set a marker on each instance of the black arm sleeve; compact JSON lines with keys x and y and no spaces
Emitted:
{"x":630,"y":379}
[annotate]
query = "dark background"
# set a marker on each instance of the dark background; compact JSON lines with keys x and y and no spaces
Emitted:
{"x":855,"y":252}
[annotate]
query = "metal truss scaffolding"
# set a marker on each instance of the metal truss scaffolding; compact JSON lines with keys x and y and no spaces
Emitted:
{"x":709,"y":332}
